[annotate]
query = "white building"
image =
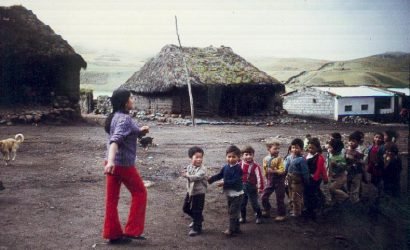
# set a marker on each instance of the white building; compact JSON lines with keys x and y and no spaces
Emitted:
{"x":337,"y":102}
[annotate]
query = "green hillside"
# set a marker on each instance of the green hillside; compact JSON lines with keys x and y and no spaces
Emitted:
{"x":384,"y":70}
{"x":284,"y":68}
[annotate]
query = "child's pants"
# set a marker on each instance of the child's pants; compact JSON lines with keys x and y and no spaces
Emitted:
{"x":234,"y":207}
{"x":194,"y":206}
{"x":275,"y":184}
{"x":296,"y":193}
{"x":336,"y":185}
{"x":353,"y":186}
{"x":136,"y":218}
{"x":251,"y":193}
{"x":312,"y":197}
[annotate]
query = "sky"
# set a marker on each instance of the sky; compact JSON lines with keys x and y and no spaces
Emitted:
{"x":321,"y":29}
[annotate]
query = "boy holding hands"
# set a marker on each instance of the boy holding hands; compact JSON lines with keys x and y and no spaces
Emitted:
{"x":252,"y":183}
{"x":196,"y":189}
{"x":231,"y":173}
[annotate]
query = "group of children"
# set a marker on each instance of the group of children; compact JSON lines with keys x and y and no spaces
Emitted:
{"x":299,"y":175}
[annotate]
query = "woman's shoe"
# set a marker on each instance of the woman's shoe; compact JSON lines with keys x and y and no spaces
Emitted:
{"x":119,"y":241}
{"x":139,"y":237}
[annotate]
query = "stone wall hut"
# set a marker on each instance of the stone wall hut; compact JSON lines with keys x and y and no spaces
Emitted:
{"x":37,"y":66}
{"x":223,"y":84}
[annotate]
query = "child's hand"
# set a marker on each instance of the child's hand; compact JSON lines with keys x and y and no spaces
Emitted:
{"x":220,"y":184}
{"x":271,"y":171}
{"x":260,"y":191}
{"x":184,"y":174}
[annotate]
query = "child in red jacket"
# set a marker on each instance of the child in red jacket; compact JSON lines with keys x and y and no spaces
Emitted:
{"x":252,"y":183}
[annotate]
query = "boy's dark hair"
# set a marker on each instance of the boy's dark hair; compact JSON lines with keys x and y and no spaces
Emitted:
{"x":337,"y":145}
{"x":392,"y":148}
{"x":355,"y":136}
{"x":308,"y":135}
{"x":336,"y":135}
{"x":233,"y":149}
{"x":315,"y":141}
{"x":298,"y":142}
{"x":194,"y":150}
{"x":248,"y":149}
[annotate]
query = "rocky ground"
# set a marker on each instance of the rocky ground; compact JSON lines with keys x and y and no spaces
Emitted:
{"x":54,"y":196}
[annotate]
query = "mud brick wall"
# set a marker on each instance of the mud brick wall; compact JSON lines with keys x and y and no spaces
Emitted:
{"x":310,"y":102}
{"x":153,"y":104}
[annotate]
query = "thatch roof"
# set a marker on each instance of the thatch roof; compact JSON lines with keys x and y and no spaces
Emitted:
{"x":23,"y":35}
{"x":206,"y":66}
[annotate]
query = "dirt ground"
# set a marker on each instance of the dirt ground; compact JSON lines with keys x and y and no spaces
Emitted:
{"x":54,"y":196}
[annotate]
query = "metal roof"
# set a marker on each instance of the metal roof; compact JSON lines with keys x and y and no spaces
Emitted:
{"x":405,"y":91}
{"x":361,"y":91}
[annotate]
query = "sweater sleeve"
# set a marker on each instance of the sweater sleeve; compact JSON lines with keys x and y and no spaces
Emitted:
{"x":199,"y":175}
{"x":259,"y":177}
{"x":280,"y":165}
{"x":265,"y":166}
{"x":217,"y":177}
{"x":304,"y":170}
{"x":121,"y":130}
{"x":321,"y":170}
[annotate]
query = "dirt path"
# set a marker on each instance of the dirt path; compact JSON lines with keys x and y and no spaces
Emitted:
{"x":54,"y":196}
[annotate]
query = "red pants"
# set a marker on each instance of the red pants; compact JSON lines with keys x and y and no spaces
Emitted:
{"x":136,"y":218}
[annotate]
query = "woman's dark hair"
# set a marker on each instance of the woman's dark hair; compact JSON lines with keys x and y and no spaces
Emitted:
{"x":337,"y":145}
{"x":194,"y":150}
{"x":315,"y":141}
{"x":118,"y":99}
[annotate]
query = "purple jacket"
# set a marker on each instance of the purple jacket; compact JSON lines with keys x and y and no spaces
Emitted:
{"x":124,"y":131}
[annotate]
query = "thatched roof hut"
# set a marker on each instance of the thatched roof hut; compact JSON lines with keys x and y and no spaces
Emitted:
{"x":223,"y":83}
{"x":36,"y":65}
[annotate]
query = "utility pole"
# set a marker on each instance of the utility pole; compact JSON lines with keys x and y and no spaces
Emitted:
{"x":191,"y":99}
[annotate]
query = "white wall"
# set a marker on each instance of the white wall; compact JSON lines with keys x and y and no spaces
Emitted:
{"x":309,"y":102}
{"x":356,"y":103}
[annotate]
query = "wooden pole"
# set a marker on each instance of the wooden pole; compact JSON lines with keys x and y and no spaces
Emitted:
{"x":191,"y":99}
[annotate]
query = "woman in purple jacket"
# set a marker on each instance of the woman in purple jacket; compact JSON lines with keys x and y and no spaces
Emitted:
{"x":120,"y":168}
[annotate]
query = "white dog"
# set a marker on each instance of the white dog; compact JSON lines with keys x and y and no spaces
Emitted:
{"x":8,"y":147}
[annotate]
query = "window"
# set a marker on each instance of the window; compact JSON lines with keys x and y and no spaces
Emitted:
{"x":348,"y":108}
{"x":314,"y":100}
{"x":365,"y":107}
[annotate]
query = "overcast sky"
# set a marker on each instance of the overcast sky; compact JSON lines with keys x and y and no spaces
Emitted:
{"x":327,"y":29}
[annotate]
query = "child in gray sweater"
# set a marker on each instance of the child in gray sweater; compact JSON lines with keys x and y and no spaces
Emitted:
{"x":196,"y":189}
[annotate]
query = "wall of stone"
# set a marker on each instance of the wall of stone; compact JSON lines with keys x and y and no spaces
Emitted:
{"x":310,"y":102}
{"x":154,"y":104}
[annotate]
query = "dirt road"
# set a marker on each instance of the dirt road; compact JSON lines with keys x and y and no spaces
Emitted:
{"x":54,"y":196}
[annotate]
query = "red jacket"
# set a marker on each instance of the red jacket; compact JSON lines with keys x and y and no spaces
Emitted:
{"x":317,"y":169}
{"x":252,"y":175}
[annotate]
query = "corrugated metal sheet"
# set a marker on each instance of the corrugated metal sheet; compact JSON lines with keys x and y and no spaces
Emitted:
{"x":361,"y":91}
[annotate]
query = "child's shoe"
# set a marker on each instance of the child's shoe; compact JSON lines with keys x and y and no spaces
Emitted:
{"x":191,"y":225}
{"x":192,"y":233}
{"x":266,"y":214}
{"x":258,"y":220}
{"x":280,"y":218}
{"x":242,"y":220}
{"x":228,"y":233}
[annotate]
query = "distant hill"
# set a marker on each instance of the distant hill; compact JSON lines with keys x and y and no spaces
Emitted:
{"x":384,"y":70}
{"x":284,"y":68}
